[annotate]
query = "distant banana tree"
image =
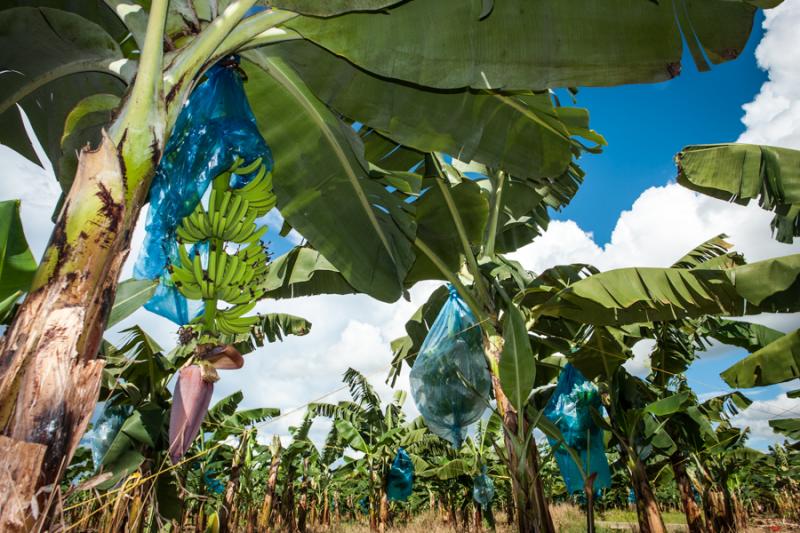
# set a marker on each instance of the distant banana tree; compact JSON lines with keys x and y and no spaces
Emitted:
{"x":376,"y":433}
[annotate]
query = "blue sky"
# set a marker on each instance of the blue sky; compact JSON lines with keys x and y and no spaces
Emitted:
{"x":646,"y":125}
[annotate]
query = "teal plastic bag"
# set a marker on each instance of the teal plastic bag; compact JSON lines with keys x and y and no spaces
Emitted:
{"x":104,"y":431}
{"x":400,"y":483}
{"x":483,"y":489}
{"x":450,"y":382}
{"x":569,"y":408}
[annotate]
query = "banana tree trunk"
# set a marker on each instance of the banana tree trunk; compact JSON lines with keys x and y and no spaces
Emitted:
{"x":650,"y":519}
{"x":384,"y":512}
{"x":227,"y":516}
{"x":302,"y":508}
{"x":49,"y":373}
{"x":532,"y":509}
{"x":325,"y":519}
{"x":477,"y":518}
{"x":269,"y":497}
{"x":694,"y":516}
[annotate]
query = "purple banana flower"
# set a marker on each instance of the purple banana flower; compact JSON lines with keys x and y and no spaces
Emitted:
{"x":189,"y":408}
{"x":193,"y":394}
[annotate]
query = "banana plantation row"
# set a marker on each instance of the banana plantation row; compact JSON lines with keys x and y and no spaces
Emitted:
{"x":403,"y":141}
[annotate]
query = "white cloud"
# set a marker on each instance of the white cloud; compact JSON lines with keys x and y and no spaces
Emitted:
{"x":639,"y":364}
{"x":773,"y":117}
{"x":662,"y":225}
{"x":757,"y":416}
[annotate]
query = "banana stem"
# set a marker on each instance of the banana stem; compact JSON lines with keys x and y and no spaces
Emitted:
{"x":495,"y":206}
{"x":210,"y":313}
{"x":472,"y":264}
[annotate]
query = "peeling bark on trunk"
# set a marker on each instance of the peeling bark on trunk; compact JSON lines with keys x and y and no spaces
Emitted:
{"x":384,"y":512}
{"x":302,"y":508}
{"x":272,"y":481}
{"x":694,"y":516}
{"x":532,"y":509}
{"x":49,"y":374}
{"x":650,"y":520}
{"x":227,"y":515}
{"x":18,"y":484}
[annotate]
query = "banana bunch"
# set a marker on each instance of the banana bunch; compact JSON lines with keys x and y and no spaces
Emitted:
{"x":225,"y":277}
{"x":237,"y":260}
{"x":231,"y":322}
{"x":232,"y":213}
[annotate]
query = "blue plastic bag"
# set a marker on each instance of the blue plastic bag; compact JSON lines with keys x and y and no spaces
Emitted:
{"x":213,"y":484}
{"x":214,"y":128}
{"x":104,"y":432}
{"x":450,"y":382}
{"x":569,"y":408}
{"x":400,"y":483}
{"x":483,"y":489}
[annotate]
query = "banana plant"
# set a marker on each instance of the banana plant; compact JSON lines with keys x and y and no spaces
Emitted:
{"x":377,"y":433}
{"x":476,"y":457}
{"x":126,"y":68}
{"x":226,"y":450}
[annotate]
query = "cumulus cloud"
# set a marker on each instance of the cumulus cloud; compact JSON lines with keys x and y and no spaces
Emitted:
{"x":662,"y":225}
{"x":773,"y":117}
{"x":756,"y":417}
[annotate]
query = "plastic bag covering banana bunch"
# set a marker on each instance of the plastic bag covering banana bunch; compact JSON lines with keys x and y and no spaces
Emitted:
{"x":214,"y":130}
{"x":400,"y":483}
{"x":483,"y":488}
{"x":214,"y":485}
{"x":450,"y":382}
{"x":569,"y":408}
{"x":104,"y":431}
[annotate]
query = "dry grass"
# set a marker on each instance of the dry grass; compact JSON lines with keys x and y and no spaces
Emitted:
{"x":425,"y":523}
{"x":567,"y":519}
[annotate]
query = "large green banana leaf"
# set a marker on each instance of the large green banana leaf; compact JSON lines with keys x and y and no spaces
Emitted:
{"x":524,"y":44}
{"x":17,"y":264}
{"x":517,"y":366}
{"x":787,"y":426}
{"x":521,"y":134}
{"x":743,"y":172}
{"x":776,"y":362}
{"x":633,"y":295}
{"x":327,"y":8}
{"x":303,"y":271}
{"x":435,"y":227}
{"x":52,"y":60}
{"x":321,"y":181}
